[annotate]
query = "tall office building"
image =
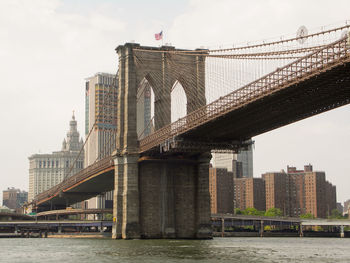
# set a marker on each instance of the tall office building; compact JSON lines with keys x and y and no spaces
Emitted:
{"x":100,"y":112}
{"x":14,"y":198}
{"x":241,"y":164}
{"x":48,"y":170}
{"x":245,"y":157}
{"x":101,"y":120}
{"x":223,"y":160}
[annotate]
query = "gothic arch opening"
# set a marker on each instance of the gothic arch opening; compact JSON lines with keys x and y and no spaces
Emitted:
{"x":144,"y":109}
{"x":178,"y":102}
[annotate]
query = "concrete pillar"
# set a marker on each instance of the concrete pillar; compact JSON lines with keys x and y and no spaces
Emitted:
{"x":162,"y":106}
{"x":301,"y":234}
{"x":342,"y":231}
{"x":118,"y":197}
{"x":59,"y":231}
{"x":127,"y":142}
{"x":222,"y":227}
{"x":130,"y":139}
{"x":204,"y":228}
{"x":168,"y":203}
{"x":200,"y":74}
{"x":261,"y":228}
{"x":174,"y":197}
{"x":130,"y":224}
{"x":120,"y":100}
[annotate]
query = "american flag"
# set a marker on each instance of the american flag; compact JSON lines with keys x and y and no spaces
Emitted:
{"x":159,"y":36}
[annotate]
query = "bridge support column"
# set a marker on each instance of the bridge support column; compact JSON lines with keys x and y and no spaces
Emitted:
{"x":130,"y":224}
{"x":204,"y":228}
{"x":342,"y":231}
{"x":174,"y":197}
{"x":301,"y":234}
{"x":261,"y":228}
{"x":222,"y":227}
{"x":118,"y":197}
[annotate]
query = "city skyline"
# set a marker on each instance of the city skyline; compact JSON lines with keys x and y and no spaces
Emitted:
{"x":60,"y":46}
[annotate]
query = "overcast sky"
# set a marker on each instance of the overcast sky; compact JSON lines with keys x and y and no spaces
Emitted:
{"x":48,"y":48}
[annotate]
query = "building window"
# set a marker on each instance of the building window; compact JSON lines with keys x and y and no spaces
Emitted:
{"x":53,"y":164}
{"x":44,"y":164}
{"x":39,"y":164}
{"x":56,"y":164}
{"x":67,"y":164}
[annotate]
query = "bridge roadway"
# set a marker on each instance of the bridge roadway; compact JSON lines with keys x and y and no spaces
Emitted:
{"x":89,"y":182}
{"x":249,"y":220}
{"x":52,"y":225}
{"x":311,"y":85}
{"x":73,"y":212}
{"x":14,"y":216}
{"x":217,"y":219}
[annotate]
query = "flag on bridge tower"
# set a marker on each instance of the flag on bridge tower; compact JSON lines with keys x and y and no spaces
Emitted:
{"x":159,"y":36}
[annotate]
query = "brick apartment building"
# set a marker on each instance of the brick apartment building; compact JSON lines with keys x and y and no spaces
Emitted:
{"x":221,"y":190}
{"x":248,"y":193}
{"x":299,"y":192}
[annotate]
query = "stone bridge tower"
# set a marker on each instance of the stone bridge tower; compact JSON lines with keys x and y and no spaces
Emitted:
{"x":159,"y":195}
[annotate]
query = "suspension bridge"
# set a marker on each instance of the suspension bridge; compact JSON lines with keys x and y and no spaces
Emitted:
{"x":157,"y":159}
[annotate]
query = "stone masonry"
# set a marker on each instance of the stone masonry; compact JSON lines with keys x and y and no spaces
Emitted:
{"x":158,"y":196}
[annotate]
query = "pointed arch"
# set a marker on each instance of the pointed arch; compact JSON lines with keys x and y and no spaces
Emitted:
{"x":144,"y":109}
{"x":178,"y":101}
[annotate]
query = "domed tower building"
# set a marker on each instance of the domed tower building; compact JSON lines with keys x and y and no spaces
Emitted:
{"x":48,"y":170}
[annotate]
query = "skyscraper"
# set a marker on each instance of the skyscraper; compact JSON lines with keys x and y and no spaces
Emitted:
{"x":245,"y":157}
{"x":241,"y":164}
{"x":101,"y":121}
{"x":48,"y":170}
{"x":100,"y":116}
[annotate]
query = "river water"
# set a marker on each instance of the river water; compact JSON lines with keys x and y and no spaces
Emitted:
{"x":216,"y":250}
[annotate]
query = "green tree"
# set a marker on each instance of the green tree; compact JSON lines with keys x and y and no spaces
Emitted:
{"x":335,"y":214}
{"x":109,"y":217}
{"x":238,"y":211}
{"x":251,"y":211}
{"x":307,"y":216}
{"x":273,"y":212}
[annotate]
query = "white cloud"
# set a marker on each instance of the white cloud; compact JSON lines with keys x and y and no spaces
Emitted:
{"x":45,"y":56}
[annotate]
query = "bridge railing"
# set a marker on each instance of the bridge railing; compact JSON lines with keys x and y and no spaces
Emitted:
{"x":294,"y":72}
{"x":78,"y":177}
